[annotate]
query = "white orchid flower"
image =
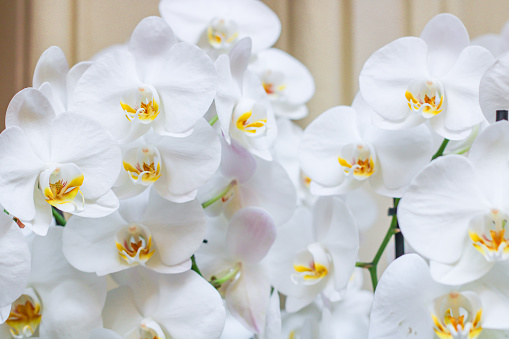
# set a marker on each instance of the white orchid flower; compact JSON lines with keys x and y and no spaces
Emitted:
{"x":176,"y":306}
{"x":67,"y":161}
{"x":242,"y":105}
{"x":158,"y":82}
{"x":408,"y":303}
{"x":231,"y":260}
{"x":55,"y":80}
{"x":288,"y":83}
{"x":243,"y":180}
{"x":176,"y":167}
{"x":14,"y":264}
{"x":58,"y":302}
{"x":455,"y":211}
{"x":434,"y":77}
{"x":341,"y":150}
{"x":146,"y":230}
{"x":218,"y":24}
{"x":314,"y":254}
{"x":494,"y":89}
{"x":497,"y":44}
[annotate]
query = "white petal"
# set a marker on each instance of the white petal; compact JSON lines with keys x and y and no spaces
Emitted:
{"x":494,"y":89}
{"x":446,"y":37}
{"x":237,"y":162}
{"x":228,"y":92}
{"x":52,"y":67}
{"x":100,"y":207}
{"x":250,"y":234}
{"x":72,"y":78}
{"x":102,"y":333}
{"x":120,"y":313}
{"x":437,"y":207}
{"x":239,"y":59}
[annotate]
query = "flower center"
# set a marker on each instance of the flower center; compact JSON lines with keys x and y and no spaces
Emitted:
{"x":250,"y":117}
{"x":25,"y":315}
{"x":141,"y":104}
{"x":311,"y":265}
{"x":488,"y":237}
{"x":60,"y":186}
{"x":426,"y":98}
{"x":134,"y":244}
{"x":456,"y":317}
{"x":149,"y":329}
{"x":273,"y":83}
{"x":222,"y":33}
{"x":358,"y":161}
{"x":143,"y":164}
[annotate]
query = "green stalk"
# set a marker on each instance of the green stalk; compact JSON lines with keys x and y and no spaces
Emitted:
{"x":194,"y":267}
{"x":60,"y":220}
{"x":441,"y":149}
{"x":213,"y":120}
{"x":219,"y":196}
{"x":217,"y":282}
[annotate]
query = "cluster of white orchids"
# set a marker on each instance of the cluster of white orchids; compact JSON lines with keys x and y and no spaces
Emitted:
{"x":162,"y":190}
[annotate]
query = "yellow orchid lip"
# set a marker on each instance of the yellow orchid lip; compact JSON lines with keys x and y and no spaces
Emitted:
{"x":25,"y":315}
{"x":140,"y":104}
{"x":134,"y":244}
{"x":273,"y":83}
{"x":490,"y":241}
{"x":149,"y":329}
{"x":426,"y":97}
{"x":311,"y":265}
{"x":222,"y":33}
{"x":361,"y":165}
{"x":244,"y":124}
{"x":61,"y":185}
{"x":143,"y":164}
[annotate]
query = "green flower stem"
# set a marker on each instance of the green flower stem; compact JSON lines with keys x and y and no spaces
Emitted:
{"x":194,"y":267}
{"x":441,"y":149}
{"x":220,"y":195}
{"x":213,"y":120}
{"x":59,"y":218}
{"x":217,"y":282}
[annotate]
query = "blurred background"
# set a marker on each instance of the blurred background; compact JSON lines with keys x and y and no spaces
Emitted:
{"x":333,"y":38}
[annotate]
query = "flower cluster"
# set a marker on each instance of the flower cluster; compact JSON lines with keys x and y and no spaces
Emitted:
{"x":163,"y":191}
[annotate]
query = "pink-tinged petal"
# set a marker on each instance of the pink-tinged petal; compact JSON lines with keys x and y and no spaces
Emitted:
{"x":31,"y":111}
{"x":52,"y":67}
{"x":99,"y":91}
{"x":386,"y":75}
{"x":150,"y":44}
{"x":120,"y":313}
{"x":461,"y":85}
{"x":82,"y":141}
{"x":322,"y":142}
{"x":19,"y":171}
{"x":228,"y":92}
{"x":239,"y":59}
{"x":177,"y":230}
{"x":471,"y":266}
{"x":247,"y":298}
{"x":89,"y":244}
{"x":250,"y":235}
{"x":403,"y":298}
{"x":190,"y":307}
{"x":237,"y":162}
{"x":15,"y":263}
{"x":489,"y":155}
{"x":435,"y":211}
{"x":446,"y":37}
{"x":494,"y":88}
{"x":187,"y":84}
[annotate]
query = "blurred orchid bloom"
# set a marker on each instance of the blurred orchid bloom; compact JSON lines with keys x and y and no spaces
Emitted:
{"x":494,"y":89}
{"x":67,"y":161}
{"x":176,"y":306}
{"x":497,"y":44}
{"x":410,"y":304}
{"x":158,"y":82}
{"x":217,"y":25}
{"x":55,"y":80}
{"x":286,"y":81}
{"x":231,"y":260}
{"x":176,"y":167}
{"x":58,"y":301}
{"x":434,"y":77}
{"x":456,"y":210}
{"x":242,"y":105}
{"x":341,"y":150}
{"x":314,"y":254}
{"x":146,"y":230}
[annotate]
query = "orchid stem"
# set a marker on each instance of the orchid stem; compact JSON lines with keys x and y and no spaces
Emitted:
{"x":213,"y":120}
{"x":194,"y":267}
{"x":441,"y":149}
{"x":219,"y":196}
{"x":59,"y":218}
{"x":217,"y":282}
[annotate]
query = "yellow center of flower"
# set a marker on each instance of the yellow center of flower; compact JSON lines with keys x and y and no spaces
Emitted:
{"x":273,"y":82}
{"x":491,"y":241}
{"x":311,"y":272}
{"x":426,"y":98}
{"x":246,"y":125}
{"x":311,"y":265}
{"x":25,"y":317}
{"x":144,"y":112}
{"x":134,"y":244}
{"x":140,"y":104}
{"x":222,"y":33}
{"x":456,"y":318}
{"x":143,"y":165}
{"x":149,"y":329}
{"x":61,"y":185}
{"x":361,"y":164}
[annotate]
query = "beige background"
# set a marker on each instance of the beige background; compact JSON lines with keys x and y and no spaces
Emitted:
{"x":332,"y":38}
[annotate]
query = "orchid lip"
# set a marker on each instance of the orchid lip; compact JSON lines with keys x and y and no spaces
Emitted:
{"x":222,"y":33}
{"x":274,"y":83}
{"x":149,"y":329}
{"x":134,"y":244}
{"x":140,"y":104}
{"x":488,"y":236}
{"x":250,"y":118}
{"x":143,"y":164}
{"x":61,"y":186}
{"x":25,"y":315}
{"x":357,"y":160}
{"x":311,"y":265}
{"x":426,"y":97}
